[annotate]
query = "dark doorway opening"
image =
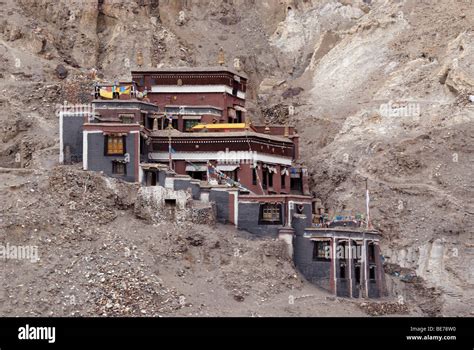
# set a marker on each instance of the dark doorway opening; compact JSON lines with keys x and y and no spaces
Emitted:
{"x":296,"y":185}
{"x":357,"y":273}
{"x":170,"y":203}
{"x":151,"y":178}
{"x":198,"y":175}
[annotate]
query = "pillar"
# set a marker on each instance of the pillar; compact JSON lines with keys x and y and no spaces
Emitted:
{"x":349,"y":263}
{"x":334,"y":262}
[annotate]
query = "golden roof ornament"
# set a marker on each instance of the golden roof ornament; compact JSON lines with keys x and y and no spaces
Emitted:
{"x":221,"y":57}
{"x":247,"y":123}
{"x":267,"y":128}
{"x":139,"y":58}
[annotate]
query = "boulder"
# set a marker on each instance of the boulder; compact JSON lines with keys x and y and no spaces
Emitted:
{"x":61,"y":71}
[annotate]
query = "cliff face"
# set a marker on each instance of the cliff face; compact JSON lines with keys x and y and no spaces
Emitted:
{"x":380,"y":89}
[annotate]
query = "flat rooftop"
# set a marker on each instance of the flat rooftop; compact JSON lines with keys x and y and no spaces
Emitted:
{"x":192,"y":135}
{"x":216,"y":69}
{"x":316,"y":230}
{"x":124,"y":102}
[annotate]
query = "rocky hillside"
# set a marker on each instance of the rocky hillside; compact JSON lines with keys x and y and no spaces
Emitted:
{"x":380,"y":89}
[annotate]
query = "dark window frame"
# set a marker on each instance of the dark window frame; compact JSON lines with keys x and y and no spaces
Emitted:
{"x":317,"y":250}
{"x":264,"y":178}
{"x":106,"y":146}
{"x":115,"y":165}
{"x":239,"y":117}
{"x":357,"y":273}
{"x":264,"y":206}
{"x":372,"y":272}
{"x":296,"y":184}
{"x":270,"y":179}
{"x":194,"y":122}
{"x":371,"y":252}
{"x":127,"y":118}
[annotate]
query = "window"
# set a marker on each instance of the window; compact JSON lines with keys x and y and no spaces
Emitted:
{"x":371,"y":253}
{"x":119,"y":168}
{"x":321,"y":251}
{"x":115,"y":145}
{"x":254,"y":176}
{"x":283,"y":181}
{"x":188,"y":124}
{"x":296,"y":184}
{"x":264,"y":178}
{"x":174,"y":123}
{"x":372,"y":272}
{"x":128,"y":118}
{"x":270,"y":179}
{"x":342,"y":270}
{"x":239,"y":117}
{"x":149,"y":123}
{"x":270,"y":214}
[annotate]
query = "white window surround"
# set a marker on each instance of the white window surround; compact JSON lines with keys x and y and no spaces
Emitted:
{"x":170,"y":89}
{"x":205,"y":156}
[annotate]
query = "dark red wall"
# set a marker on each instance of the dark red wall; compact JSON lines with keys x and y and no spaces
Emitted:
{"x":220,"y":100}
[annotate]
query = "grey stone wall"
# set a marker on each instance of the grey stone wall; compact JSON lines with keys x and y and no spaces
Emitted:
{"x":184,"y":184}
{"x":98,"y":161}
{"x":343,"y":287}
{"x":72,"y":138}
{"x":161,"y":178}
{"x":221,"y":198}
{"x":373,"y":289}
{"x":248,"y":220}
{"x":317,"y":272}
{"x":300,"y":223}
{"x":307,"y":213}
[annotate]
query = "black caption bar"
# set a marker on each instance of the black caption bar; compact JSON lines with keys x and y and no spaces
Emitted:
{"x":23,"y":333}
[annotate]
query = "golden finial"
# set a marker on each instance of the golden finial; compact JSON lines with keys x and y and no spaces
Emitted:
{"x":247,"y":123}
{"x":221,"y":57}
{"x":267,"y":128}
{"x":139,"y":58}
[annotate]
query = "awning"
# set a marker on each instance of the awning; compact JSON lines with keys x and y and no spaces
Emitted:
{"x":226,"y":167}
{"x":239,"y":108}
{"x":191,"y":117}
{"x":231,"y":112}
{"x":112,"y":133}
{"x":219,"y":126}
{"x":196,"y":167}
{"x":295,"y":172}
